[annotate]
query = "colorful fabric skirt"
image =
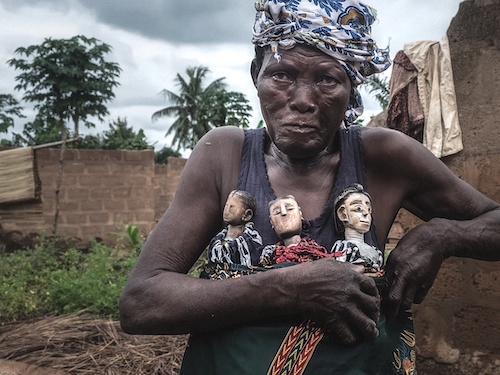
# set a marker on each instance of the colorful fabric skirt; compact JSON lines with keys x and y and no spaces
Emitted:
{"x":299,"y":347}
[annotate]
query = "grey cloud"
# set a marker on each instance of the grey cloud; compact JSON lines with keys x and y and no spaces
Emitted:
{"x":175,"y":21}
{"x":194,"y":21}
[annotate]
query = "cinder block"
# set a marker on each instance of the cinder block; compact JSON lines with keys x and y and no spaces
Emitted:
{"x":99,"y":218}
{"x":477,"y":328}
{"x":121,"y":192}
{"x":71,"y":206}
{"x":487,"y":282}
{"x":73,"y":219}
{"x":146,"y":156}
{"x":77,"y":193}
{"x":144,"y":217}
{"x":90,"y":180}
{"x":91,"y":205}
{"x":100,"y":193}
{"x":114,"y":205}
{"x":449,"y":284}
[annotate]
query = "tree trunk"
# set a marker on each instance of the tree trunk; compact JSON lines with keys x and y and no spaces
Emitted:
{"x":64,"y":136}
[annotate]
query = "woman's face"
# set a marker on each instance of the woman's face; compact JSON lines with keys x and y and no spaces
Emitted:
{"x":303,"y":99}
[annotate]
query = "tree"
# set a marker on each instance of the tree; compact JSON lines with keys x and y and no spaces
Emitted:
{"x":67,"y":79}
{"x":37,"y":132}
{"x":9,"y":107}
{"x":161,"y":157}
{"x":118,"y":137}
{"x":87,"y":142}
{"x":198,"y":109}
{"x":379,"y":86}
{"x":121,"y":137}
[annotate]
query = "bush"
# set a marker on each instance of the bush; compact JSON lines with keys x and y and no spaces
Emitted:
{"x":50,"y":279}
{"x":55,"y":277}
{"x":24,"y":276}
{"x":94,"y":283}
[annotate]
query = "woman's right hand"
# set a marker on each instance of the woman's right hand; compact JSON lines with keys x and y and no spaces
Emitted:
{"x":337,"y":296}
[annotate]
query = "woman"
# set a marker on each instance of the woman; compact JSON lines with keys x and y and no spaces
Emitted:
{"x":310,"y":57}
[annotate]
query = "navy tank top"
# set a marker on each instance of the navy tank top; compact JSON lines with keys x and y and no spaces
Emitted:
{"x":254,"y":179}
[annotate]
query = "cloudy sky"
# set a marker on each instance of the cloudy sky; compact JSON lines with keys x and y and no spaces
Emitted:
{"x":154,"y":40}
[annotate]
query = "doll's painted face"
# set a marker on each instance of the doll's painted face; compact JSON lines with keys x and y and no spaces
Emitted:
{"x":356,"y":212}
{"x":286,"y":217}
{"x":235,"y":211}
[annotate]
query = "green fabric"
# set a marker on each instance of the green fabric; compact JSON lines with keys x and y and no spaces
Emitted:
{"x":250,"y":349}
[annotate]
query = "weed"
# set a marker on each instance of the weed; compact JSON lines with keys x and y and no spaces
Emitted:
{"x":49,"y":279}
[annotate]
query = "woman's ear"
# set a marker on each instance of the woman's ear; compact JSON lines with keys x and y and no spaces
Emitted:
{"x":254,"y":71}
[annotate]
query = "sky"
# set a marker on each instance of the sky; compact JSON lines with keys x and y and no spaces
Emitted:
{"x":153,"y":41}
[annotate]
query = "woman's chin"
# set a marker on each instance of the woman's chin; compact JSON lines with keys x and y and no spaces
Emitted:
{"x":301,"y":150}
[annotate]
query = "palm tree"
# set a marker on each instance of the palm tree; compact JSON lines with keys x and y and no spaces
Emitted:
{"x":198,"y":109}
{"x":379,"y":86}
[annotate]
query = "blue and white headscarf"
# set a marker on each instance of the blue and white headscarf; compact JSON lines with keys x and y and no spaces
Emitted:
{"x":339,"y":28}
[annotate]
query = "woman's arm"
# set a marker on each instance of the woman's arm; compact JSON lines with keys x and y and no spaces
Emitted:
{"x":160,"y":298}
{"x":460,"y":221}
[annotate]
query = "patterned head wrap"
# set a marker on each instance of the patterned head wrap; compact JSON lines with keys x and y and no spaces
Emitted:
{"x":339,"y":28}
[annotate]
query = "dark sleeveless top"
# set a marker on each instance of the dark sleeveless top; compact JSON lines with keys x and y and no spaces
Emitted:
{"x":272,"y":345}
{"x":254,"y":179}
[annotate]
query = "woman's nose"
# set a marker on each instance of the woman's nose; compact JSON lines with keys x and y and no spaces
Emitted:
{"x":302,"y":98}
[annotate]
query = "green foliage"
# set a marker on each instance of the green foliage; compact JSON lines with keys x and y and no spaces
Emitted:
{"x":161,"y":157}
{"x":87,"y":142}
{"x":39,"y":131}
{"x":134,"y":237}
{"x":6,"y":143}
{"x":379,"y":86}
{"x":94,"y":283}
{"x":200,"y":264}
{"x":9,"y":107}
{"x":51,"y":278}
{"x":67,"y":79}
{"x":24,"y":277}
{"x":198,"y":109}
{"x":121,"y":137}
{"x":55,"y":277}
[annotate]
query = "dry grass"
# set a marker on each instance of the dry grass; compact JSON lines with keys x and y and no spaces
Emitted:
{"x":78,"y":344}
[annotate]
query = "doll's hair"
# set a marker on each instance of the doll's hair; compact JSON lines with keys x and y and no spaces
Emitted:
{"x":247,"y":199}
{"x":280,"y":198}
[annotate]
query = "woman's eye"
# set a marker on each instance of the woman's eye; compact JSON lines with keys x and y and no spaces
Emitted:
{"x":327,"y":80}
{"x":280,"y":76}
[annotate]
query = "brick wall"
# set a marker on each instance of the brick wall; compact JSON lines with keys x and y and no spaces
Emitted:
{"x":165,"y":182}
{"x":101,"y":191}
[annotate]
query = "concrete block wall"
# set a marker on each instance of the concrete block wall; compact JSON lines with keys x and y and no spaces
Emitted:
{"x":457,"y":326}
{"x":166,"y":180}
{"x":102,"y":190}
